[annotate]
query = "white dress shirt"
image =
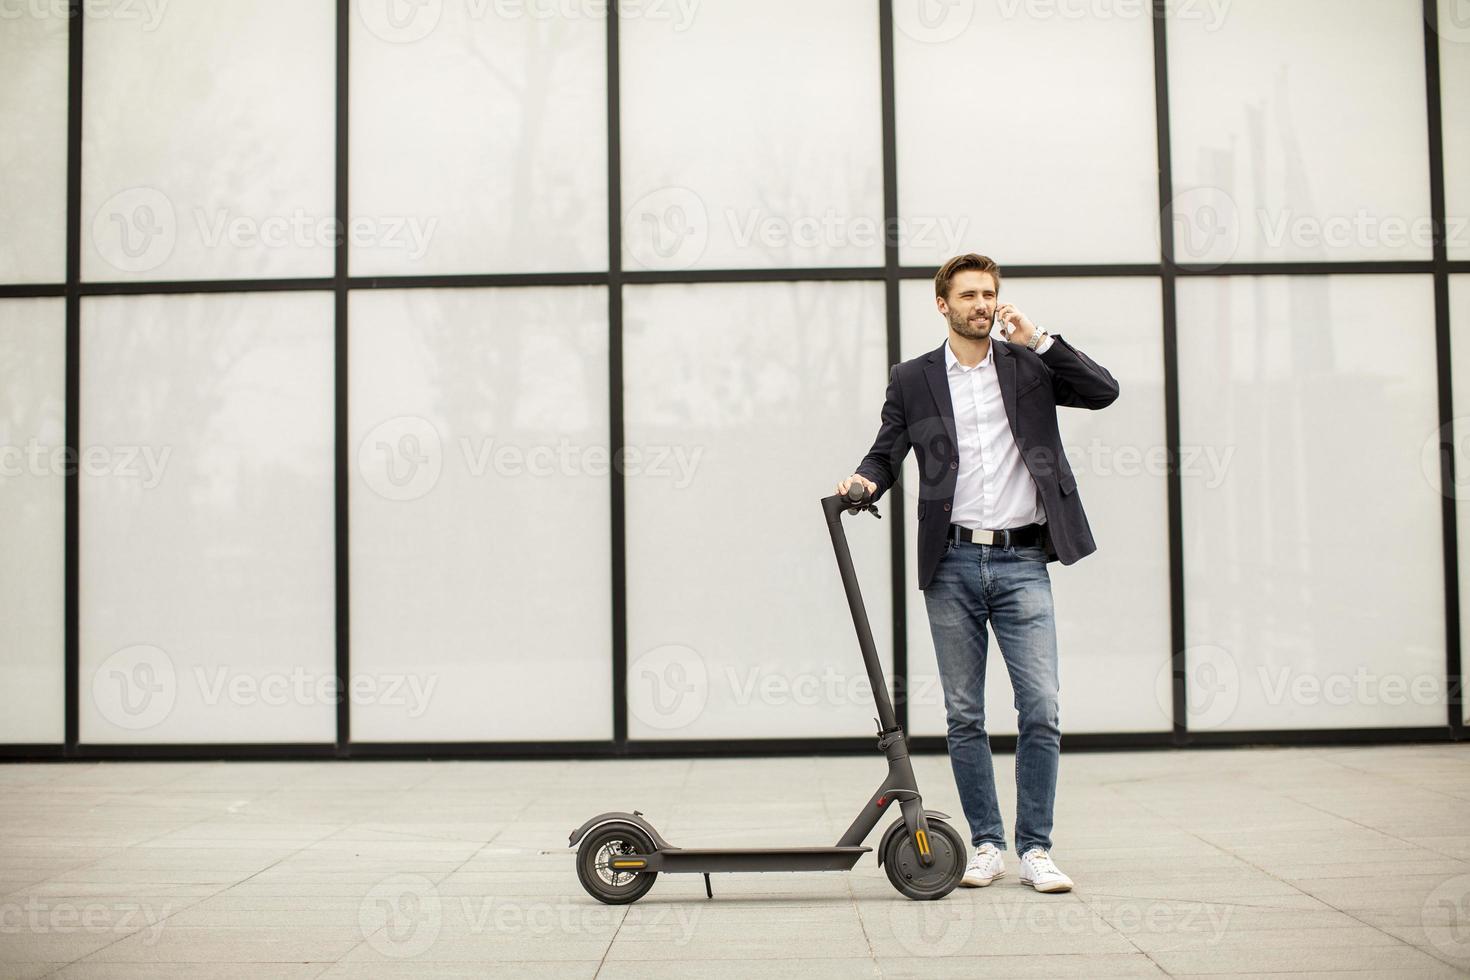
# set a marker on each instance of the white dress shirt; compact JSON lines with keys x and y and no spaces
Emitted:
{"x":994,"y":490}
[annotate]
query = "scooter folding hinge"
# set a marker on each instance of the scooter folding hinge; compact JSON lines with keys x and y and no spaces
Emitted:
{"x":887,"y":736}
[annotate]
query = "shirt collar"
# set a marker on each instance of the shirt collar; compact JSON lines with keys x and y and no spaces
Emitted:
{"x":952,"y":363}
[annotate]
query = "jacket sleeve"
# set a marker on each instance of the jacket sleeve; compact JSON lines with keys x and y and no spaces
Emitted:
{"x":884,"y":461}
{"x":1077,"y":381}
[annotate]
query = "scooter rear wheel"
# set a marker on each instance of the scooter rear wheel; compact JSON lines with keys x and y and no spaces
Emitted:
{"x":910,"y":876}
{"x":594,"y":857}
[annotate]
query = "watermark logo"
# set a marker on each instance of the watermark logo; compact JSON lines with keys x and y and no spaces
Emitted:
{"x":933,"y":21}
{"x":402,"y":458}
{"x":39,"y":917}
{"x":401,"y":916}
{"x":932,"y":928}
{"x":1453,"y":24}
{"x":146,"y":464}
{"x":1211,"y":686}
{"x":667,"y":229}
{"x":670,"y":687}
{"x":1432,"y":455}
{"x":1445,"y":916}
{"x":136,"y":687}
{"x":1206,"y":226}
{"x":400,"y":21}
{"x":136,"y":230}
{"x":1211,"y":13}
{"x":148,"y":12}
{"x":1215,"y":684}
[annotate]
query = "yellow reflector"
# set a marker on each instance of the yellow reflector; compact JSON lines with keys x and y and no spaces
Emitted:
{"x":923,"y":840}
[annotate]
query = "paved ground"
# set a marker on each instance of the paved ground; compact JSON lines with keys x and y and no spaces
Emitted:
{"x":1247,"y":862}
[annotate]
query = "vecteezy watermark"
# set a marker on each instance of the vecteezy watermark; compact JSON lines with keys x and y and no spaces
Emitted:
{"x":938,"y":21}
{"x":932,"y":928}
{"x":667,"y":228}
{"x":670,"y":228}
{"x":407,"y":21}
{"x":401,"y":916}
{"x":832,"y":231}
{"x":1453,"y":22}
{"x":1207,"y":464}
{"x":1209,"y":13}
{"x":944,"y":928}
{"x":138,"y":687}
{"x":933,"y":21}
{"x":36,"y":916}
{"x":671,"y":685}
{"x":403,"y":458}
{"x":1445,"y":917}
{"x":1205,"y":224}
{"x":668,"y":686}
{"x":569,"y":917}
{"x":1211,"y":686}
{"x":1215,"y":683}
{"x":1208,"y":227}
{"x":138,"y":230}
{"x":1452,"y":441}
{"x":143,"y":463}
{"x":147,"y":13}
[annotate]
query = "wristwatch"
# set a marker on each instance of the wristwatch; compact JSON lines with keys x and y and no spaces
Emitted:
{"x":1035,"y":340}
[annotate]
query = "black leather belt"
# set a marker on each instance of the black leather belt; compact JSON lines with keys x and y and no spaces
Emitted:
{"x":1023,"y":535}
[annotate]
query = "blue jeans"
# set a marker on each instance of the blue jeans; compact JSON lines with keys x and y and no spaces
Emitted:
{"x":1011,"y":589}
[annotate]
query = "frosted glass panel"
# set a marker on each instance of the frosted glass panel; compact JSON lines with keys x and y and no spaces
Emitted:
{"x":1118,"y":454}
{"x":1454,"y":94}
{"x":481,"y":529}
{"x":1299,"y":132}
{"x":32,"y":534}
{"x":33,"y":49}
{"x":751,"y":134}
{"x":1314,"y":579}
{"x":745,"y":405}
{"x":479,"y":138}
{"x":1026,"y":131}
{"x":207,"y":572}
{"x":207,"y":141}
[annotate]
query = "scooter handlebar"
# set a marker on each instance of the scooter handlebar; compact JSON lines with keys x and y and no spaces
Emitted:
{"x":857,"y":499}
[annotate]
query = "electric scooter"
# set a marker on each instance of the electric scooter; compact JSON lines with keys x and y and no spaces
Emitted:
{"x":621,"y":854}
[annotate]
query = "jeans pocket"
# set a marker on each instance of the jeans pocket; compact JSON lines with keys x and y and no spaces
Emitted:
{"x":1031,"y":552}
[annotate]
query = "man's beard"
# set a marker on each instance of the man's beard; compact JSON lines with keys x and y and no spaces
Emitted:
{"x":974,"y":331}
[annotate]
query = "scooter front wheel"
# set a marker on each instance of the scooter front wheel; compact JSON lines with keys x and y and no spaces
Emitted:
{"x":595,"y":857}
{"x":909,"y":875}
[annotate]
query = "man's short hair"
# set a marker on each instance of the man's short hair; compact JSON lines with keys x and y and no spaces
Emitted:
{"x":963,"y":263}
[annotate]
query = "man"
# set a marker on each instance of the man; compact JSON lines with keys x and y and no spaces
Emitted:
{"x":997,"y":501}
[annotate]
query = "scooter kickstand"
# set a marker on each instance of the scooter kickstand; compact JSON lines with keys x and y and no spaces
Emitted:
{"x":707,"y":892}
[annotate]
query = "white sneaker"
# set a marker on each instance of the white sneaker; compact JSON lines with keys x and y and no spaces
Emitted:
{"x":984,"y":867}
{"x":1038,"y":871}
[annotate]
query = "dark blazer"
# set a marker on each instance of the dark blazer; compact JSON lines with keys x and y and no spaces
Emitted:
{"x":918,"y":413}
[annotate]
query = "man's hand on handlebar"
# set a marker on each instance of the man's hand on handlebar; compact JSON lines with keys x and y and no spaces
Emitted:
{"x":846,"y":484}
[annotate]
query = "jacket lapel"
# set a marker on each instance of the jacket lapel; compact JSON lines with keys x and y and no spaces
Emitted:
{"x":1005,"y":373}
{"x":936,"y":373}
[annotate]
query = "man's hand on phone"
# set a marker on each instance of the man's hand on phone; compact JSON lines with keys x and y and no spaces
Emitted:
{"x":1013,"y":324}
{"x":846,"y":484}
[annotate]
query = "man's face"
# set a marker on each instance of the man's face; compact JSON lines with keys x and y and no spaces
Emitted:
{"x":970,"y":306}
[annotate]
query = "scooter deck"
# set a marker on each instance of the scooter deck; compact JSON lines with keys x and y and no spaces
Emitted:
{"x":697,"y":860}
